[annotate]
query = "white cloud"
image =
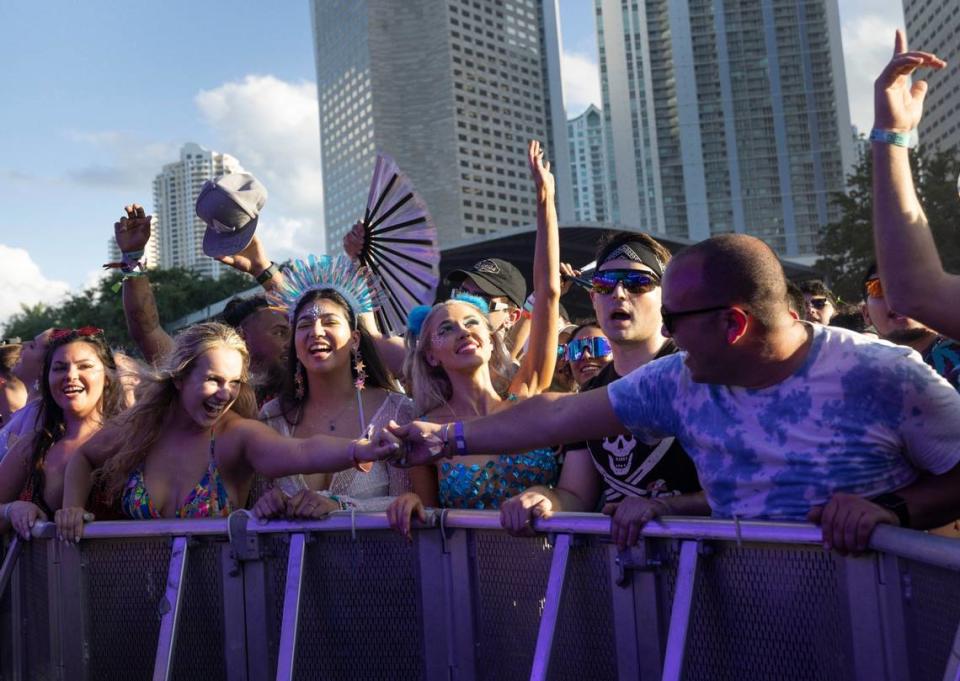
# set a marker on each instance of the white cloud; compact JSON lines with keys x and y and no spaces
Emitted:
{"x":581,"y":82}
{"x":867,"y":34}
{"x":126,"y":161}
{"x":22,"y":282}
{"x":272,"y":127}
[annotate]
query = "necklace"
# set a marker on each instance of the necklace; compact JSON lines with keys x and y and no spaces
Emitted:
{"x":332,"y":422}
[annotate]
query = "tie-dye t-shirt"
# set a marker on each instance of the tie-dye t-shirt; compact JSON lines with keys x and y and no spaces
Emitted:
{"x":860,"y":416}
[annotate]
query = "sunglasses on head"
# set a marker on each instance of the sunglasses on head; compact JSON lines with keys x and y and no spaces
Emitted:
{"x":598,"y":346}
{"x":633,"y":281}
{"x":874,"y":288}
{"x":82,"y":332}
{"x":494,"y":305}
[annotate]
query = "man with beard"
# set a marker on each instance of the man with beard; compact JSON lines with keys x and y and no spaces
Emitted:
{"x":942,"y":354}
{"x":635,"y":480}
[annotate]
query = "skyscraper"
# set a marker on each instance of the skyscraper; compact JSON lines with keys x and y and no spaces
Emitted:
{"x":934,"y":26}
{"x":725,"y":116}
{"x":175,"y":192}
{"x":452,"y":89}
{"x":588,"y":167}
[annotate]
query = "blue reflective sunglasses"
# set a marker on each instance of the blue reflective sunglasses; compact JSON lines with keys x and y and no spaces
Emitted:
{"x":598,"y":346}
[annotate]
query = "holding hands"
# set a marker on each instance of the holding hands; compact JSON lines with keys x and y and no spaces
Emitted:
{"x":898,"y":104}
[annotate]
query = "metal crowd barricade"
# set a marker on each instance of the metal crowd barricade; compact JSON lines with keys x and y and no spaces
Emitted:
{"x":346,"y":598}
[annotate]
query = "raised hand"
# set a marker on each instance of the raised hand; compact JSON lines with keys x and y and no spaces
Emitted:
{"x":567,"y":274}
{"x":540,"y":170}
{"x":133,"y":231}
{"x":353,"y":241}
{"x":898,"y":104}
{"x":251,"y":260}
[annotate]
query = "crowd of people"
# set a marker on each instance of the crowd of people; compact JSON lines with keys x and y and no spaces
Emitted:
{"x":704,"y":384}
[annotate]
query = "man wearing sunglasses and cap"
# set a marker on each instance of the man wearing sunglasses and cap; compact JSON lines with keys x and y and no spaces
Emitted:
{"x":500,"y":284}
{"x":635,"y":481}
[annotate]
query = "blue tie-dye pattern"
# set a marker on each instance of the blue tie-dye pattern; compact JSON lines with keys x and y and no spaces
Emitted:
{"x":840,"y":423}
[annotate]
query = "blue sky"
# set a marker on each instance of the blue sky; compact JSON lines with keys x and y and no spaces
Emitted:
{"x":98,"y":95}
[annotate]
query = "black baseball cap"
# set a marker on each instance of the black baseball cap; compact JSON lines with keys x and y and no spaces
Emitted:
{"x":495,"y":277}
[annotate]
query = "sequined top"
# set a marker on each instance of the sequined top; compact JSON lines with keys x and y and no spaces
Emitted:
{"x":487,"y":485}
{"x":207,"y":499}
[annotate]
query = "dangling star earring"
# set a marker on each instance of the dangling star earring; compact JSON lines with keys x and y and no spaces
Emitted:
{"x":359,"y":370}
{"x":298,"y":381}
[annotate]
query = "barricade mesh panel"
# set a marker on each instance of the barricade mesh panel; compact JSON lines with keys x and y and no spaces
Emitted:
{"x":360,"y":614}
{"x":35,"y":609}
{"x":764,"y":612}
{"x":199,"y":652}
{"x":584,"y":646}
{"x":931,"y":616}
{"x":511,"y":582}
{"x":124,"y":583}
{"x":6,"y":629}
{"x":275,"y":549}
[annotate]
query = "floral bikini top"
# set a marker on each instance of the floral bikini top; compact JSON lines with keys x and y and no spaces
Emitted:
{"x":487,"y":485}
{"x":208,"y":498}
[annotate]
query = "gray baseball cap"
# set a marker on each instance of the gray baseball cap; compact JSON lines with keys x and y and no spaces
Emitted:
{"x":230,"y":205}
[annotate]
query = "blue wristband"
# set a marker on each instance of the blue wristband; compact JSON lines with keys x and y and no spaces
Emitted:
{"x":459,"y":441}
{"x":897,"y":139}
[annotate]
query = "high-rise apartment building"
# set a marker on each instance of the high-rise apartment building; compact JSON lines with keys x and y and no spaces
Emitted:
{"x":588,"y":167}
{"x":453,"y":90}
{"x":175,"y":192}
{"x":934,"y":26}
{"x":725,"y":116}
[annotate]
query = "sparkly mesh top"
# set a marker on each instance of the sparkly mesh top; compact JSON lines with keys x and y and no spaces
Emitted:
{"x":488,"y":484}
{"x":372,"y":491}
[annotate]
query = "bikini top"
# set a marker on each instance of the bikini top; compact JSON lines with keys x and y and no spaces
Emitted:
{"x":487,"y":485}
{"x":207,"y":499}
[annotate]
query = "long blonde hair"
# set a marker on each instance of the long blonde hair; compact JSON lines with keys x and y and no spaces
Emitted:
{"x":430,"y":385}
{"x":137,"y":429}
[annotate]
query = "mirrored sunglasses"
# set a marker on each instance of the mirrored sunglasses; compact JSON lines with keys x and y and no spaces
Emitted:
{"x":633,"y":281}
{"x":598,"y":346}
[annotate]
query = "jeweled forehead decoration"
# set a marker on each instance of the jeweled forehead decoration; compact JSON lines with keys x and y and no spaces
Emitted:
{"x":355,"y":284}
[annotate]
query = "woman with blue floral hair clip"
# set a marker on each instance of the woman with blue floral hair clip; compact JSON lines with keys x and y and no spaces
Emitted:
{"x":459,"y":369}
{"x":335,"y":384}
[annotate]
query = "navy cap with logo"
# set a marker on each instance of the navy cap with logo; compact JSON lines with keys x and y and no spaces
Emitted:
{"x":495,"y":277}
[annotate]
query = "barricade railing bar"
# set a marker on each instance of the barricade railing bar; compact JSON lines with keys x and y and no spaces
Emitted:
{"x":344,"y":597}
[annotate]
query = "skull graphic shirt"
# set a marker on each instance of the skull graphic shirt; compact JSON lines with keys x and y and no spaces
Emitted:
{"x":629,"y":467}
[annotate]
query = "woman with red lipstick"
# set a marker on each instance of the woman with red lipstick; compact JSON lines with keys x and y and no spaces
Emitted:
{"x":78,"y":392}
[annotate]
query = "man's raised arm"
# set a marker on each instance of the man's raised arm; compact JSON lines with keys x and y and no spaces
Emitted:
{"x":914,"y":281}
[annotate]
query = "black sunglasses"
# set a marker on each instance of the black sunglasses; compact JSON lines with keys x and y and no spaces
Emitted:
{"x":670,"y":318}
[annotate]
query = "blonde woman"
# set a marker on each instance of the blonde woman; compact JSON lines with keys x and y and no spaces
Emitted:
{"x":460,"y":370}
{"x":188,"y":449}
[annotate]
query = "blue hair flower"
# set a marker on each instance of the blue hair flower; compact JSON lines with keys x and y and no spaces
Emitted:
{"x":476,"y":301}
{"x":416,"y":318}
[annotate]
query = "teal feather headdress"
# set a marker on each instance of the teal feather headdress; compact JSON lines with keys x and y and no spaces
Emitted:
{"x":339,"y":273}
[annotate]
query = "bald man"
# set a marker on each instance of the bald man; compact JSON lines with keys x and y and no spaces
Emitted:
{"x":783,"y":419}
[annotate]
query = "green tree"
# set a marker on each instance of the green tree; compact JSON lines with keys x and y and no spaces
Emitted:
{"x":178,"y":293}
{"x":846,"y":247}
